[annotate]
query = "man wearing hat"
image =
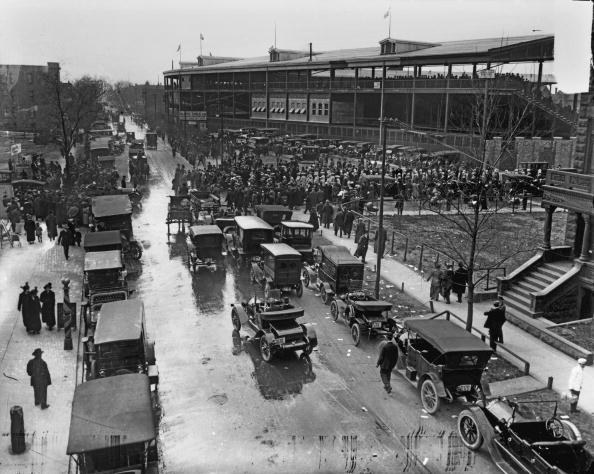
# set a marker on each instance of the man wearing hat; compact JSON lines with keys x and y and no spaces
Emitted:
{"x":494,"y":323}
{"x":40,"y":378}
{"x":48,"y":301}
{"x":576,"y":379}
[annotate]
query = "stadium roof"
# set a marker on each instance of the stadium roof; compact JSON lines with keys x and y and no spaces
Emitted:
{"x":497,"y":50}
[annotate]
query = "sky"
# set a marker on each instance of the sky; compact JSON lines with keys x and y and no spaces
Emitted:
{"x":136,"y":40}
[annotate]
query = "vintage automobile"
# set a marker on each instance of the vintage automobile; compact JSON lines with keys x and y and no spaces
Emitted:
{"x":151,"y":139}
{"x":335,"y":271}
{"x":279,"y":267}
{"x":441,"y":360}
{"x":361,"y":312}
{"x":244,"y":240}
{"x":205,"y":246}
{"x":112,"y":426}
{"x":120,"y":343}
{"x":104,"y":272}
{"x":273,"y":321}
{"x":136,"y":148}
{"x":109,"y":240}
{"x":114,"y":212}
{"x":521,"y":442}
{"x":204,"y":201}
{"x":298,"y":235}
{"x":273,"y":214}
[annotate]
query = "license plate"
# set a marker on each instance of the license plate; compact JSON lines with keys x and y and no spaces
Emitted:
{"x":281,"y":340}
{"x":376,"y":325}
{"x":464,"y":388}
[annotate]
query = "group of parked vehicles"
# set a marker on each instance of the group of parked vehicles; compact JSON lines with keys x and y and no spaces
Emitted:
{"x":115,"y":409}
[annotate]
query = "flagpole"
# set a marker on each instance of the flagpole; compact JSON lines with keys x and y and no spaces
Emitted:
{"x":390,"y":24}
{"x":180,"y":55}
{"x":200,"y":44}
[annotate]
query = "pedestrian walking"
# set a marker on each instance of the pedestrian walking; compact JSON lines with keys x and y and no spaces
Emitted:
{"x":51,"y":226}
{"x":123,"y":183}
{"x":576,"y":380}
{"x":435,"y":278}
{"x":40,"y":378}
{"x":48,"y":308}
{"x":23,"y":303}
{"x":349,"y":218}
{"x":399,"y":204}
{"x":339,"y":222}
{"x":360,"y":229}
{"x":34,"y":314}
{"x":387,"y":360}
{"x":494,"y":323}
{"x":30,"y":229}
{"x":459,"y":281}
{"x":39,"y":232}
{"x":65,"y":240}
{"x":313,"y":219}
{"x":327,"y":213}
{"x":446,"y":277}
{"x":362,"y":247}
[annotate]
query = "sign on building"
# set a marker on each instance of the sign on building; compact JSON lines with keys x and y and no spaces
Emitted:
{"x":15,"y":149}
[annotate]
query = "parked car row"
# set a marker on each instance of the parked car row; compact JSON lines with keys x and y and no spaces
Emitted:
{"x":115,"y":409}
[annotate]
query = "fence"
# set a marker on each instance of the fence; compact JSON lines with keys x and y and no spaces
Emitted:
{"x":483,"y":336}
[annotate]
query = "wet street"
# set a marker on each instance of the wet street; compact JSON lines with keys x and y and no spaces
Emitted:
{"x":225,"y":410}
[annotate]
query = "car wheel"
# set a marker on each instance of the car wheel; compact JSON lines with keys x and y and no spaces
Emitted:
{"x":265,"y":349}
{"x":299,"y":289}
{"x":334,"y":310}
{"x":429,"y":397}
{"x":469,"y":431}
{"x":356,"y":333}
{"x":305,"y":278}
{"x":235,"y":320}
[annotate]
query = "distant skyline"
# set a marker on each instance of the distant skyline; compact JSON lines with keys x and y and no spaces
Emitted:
{"x":136,"y":40}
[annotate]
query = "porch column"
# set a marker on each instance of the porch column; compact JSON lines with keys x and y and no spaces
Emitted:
{"x":585,"y":255}
{"x":546,"y":244}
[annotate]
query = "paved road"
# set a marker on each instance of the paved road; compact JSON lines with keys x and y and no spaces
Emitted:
{"x":224,"y":410}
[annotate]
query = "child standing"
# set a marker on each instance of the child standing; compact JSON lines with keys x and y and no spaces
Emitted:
{"x":39,"y":232}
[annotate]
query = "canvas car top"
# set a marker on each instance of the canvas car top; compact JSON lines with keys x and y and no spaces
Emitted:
{"x":196,"y":230}
{"x":296,"y":225}
{"x":106,"y":408}
{"x":446,"y":336}
{"x":99,"y":239}
{"x":103,"y":260}
{"x":339,"y":254}
{"x":111,"y":205}
{"x":119,"y":321}
{"x":251,"y":223}
{"x":280,"y":250}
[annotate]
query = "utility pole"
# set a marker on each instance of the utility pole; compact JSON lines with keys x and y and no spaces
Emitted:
{"x":380,"y":230}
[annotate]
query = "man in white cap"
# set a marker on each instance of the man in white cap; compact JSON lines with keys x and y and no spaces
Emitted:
{"x":576,"y":379}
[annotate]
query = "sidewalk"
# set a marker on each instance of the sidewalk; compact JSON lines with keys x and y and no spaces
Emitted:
{"x":46,"y":431}
{"x":545,"y":361}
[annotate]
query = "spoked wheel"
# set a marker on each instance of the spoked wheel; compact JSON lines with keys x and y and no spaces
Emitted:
{"x":334,"y":310}
{"x":356,"y":333}
{"x":135,"y":251}
{"x":235,"y":320}
{"x":429,"y":397}
{"x":265,"y":349}
{"x":305,"y":278}
{"x":469,"y":431}
{"x":299,"y":289}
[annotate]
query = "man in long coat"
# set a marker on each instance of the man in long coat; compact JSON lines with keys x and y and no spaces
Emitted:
{"x":459,"y":281}
{"x":24,"y":303}
{"x":40,"y":378}
{"x":349,"y":218}
{"x":48,"y":310}
{"x":33,"y":314}
{"x":387,"y":360}
{"x":327,"y":212}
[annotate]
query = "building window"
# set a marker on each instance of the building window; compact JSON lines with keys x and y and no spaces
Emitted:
{"x":326,"y":109}
{"x":313,"y":108}
{"x":320,"y":108}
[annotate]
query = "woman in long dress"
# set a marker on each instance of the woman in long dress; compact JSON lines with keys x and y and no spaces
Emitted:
{"x":30,"y":230}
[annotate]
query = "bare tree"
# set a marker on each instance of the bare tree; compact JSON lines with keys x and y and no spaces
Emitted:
{"x":75,"y":106}
{"x":472,"y":228}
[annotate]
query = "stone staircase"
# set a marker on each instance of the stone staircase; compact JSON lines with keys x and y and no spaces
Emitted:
{"x":518,"y":298}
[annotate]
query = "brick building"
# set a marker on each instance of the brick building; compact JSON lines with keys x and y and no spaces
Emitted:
{"x":25,"y":97}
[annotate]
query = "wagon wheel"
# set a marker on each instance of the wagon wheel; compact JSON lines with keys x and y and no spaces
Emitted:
{"x":469,"y":431}
{"x":305,"y":278}
{"x":235,"y":320}
{"x":429,"y":397}
{"x":299,"y":289}
{"x":334,"y":310}
{"x":356,"y":333}
{"x":265,"y":349}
